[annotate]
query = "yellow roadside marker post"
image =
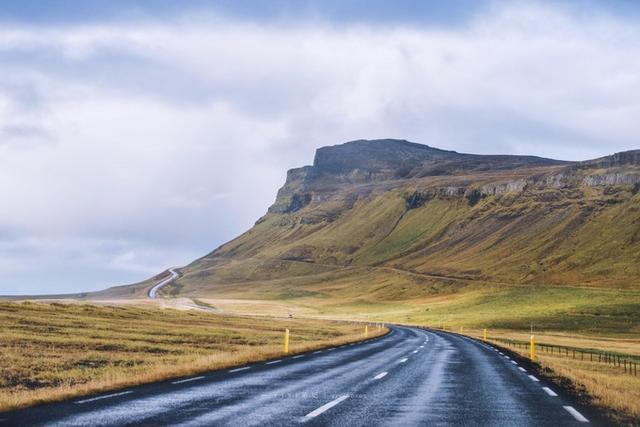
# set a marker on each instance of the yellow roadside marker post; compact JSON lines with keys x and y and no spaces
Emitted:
{"x":484,"y":334}
{"x":366,"y":331}
{"x":286,"y":341}
{"x":460,"y":329}
{"x":532,"y":349}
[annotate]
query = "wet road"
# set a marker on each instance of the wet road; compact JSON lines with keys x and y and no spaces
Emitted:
{"x":409,"y":377}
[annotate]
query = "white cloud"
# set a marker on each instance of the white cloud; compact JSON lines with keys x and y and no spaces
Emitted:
{"x":173,"y":136}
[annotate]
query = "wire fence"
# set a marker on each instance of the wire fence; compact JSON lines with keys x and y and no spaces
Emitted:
{"x":627,"y":362}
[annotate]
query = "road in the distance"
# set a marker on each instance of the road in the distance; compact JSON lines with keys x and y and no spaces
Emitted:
{"x":180,"y":303}
{"x":153,"y":292}
{"x":409,"y":377}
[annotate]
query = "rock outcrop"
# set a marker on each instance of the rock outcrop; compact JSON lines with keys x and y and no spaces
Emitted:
{"x":366,"y":166}
{"x":376,"y":162}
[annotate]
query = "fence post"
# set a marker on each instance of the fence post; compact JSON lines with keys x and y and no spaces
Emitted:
{"x":286,"y":341}
{"x":532,"y":348}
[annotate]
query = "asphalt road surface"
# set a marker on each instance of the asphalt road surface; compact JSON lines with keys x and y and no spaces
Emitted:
{"x":408,"y":377}
{"x":153,"y":292}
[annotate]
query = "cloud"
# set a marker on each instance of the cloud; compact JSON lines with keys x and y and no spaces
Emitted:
{"x":169,"y":137}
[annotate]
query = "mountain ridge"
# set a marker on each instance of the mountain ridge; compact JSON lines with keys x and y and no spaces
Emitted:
{"x":375,"y":161}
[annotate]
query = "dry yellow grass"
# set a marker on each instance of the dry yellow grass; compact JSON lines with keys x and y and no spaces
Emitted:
{"x":609,"y":387}
{"x":51,"y":352}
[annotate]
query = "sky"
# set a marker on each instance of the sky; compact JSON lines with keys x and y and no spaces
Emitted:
{"x":139,"y":135}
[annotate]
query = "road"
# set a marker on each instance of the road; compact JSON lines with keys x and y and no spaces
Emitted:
{"x":179,"y":303}
{"x":408,"y":377}
{"x":153,"y":292}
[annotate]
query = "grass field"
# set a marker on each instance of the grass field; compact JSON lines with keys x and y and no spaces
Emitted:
{"x":55,"y":351}
{"x":392,"y":296}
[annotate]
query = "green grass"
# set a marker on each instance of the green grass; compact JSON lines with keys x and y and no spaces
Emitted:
{"x":592,"y":311}
{"x":572,"y":237}
{"x":417,"y":227}
{"x":395,"y":296}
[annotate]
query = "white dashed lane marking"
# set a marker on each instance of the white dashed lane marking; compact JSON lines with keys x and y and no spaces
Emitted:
{"x":380,"y":375}
{"x":273,"y":362}
{"x":534,"y":378}
{"x":326,"y":407}
{"x":522,"y":369}
{"x":549,"y":391}
{"x":577,"y":415}
{"x":106,"y":396}
{"x":298,"y":356}
{"x":240,"y":369}
{"x":403,"y":360}
{"x":187,"y":380}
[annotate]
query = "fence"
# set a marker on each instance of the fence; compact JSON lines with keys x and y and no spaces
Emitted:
{"x":627,"y":362}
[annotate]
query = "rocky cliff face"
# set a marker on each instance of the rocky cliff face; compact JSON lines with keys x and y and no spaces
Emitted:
{"x":366,"y":166}
{"x":384,"y":159}
{"x":381,"y":159}
{"x":625,"y":158}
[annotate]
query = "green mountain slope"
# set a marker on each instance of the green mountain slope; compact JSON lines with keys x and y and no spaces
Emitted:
{"x":403,"y":226}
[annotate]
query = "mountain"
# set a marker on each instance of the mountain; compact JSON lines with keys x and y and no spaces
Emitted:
{"x":395,"y":223}
{"x":399,"y":204}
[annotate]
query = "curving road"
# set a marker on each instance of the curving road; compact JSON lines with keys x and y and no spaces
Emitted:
{"x":153,"y":292}
{"x":180,"y":303}
{"x":409,"y":377}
